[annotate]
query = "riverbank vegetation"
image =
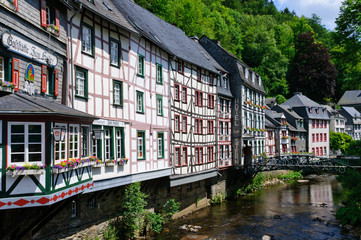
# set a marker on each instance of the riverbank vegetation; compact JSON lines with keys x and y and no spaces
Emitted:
{"x":134,"y":219}
{"x":264,"y":179}
{"x":350,"y":212}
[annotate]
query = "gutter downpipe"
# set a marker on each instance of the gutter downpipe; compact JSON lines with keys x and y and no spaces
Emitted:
{"x":71,"y":54}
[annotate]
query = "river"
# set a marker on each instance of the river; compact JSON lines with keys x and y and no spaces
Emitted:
{"x":289,"y":211}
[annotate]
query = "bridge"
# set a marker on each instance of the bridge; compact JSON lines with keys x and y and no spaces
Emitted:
{"x":307,"y":163}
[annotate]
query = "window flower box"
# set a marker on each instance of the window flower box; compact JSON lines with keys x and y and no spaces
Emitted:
{"x":122,"y":161}
{"x":74,"y":163}
{"x":98,"y":165}
{"x":53,"y":29}
{"x":6,"y":86}
{"x":110,"y":163}
{"x":26,"y":172}
{"x":27,"y":169}
{"x":10,"y":4}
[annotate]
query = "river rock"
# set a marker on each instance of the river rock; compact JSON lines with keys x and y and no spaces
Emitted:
{"x":303,"y":181}
{"x":183,"y":227}
{"x":197,"y":227}
{"x":193,"y":230}
{"x":267,"y":237}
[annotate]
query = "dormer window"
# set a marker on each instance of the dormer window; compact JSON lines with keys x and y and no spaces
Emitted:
{"x":310,"y":110}
{"x":245,"y":72}
{"x":253,"y":77}
{"x":317,"y":110}
{"x":259,"y":80}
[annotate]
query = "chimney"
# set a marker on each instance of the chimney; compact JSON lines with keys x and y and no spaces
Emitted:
{"x":297,"y":93}
{"x":195,"y":38}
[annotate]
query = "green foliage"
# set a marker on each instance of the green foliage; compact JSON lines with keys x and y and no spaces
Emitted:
{"x":133,"y":210}
{"x":110,"y":233}
{"x":218,"y":199}
{"x":292,"y":175}
{"x":350,"y":213}
{"x":170,"y":208}
{"x":280,"y":99}
{"x":255,"y":185}
{"x":340,"y":141}
{"x":156,"y":221}
{"x":353,"y":148}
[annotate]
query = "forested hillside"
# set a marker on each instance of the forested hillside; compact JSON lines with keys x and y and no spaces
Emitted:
{"x":283,"y":48}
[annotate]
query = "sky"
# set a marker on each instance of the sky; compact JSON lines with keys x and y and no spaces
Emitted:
{"x":327,"y":10}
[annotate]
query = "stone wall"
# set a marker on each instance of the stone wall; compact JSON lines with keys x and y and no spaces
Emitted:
{"x":94,"y":210}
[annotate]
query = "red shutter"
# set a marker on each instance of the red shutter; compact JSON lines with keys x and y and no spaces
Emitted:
{"x":44,"y":78}
{"x":15,"y":73}
{"x":57,"y":22}
{"x":43,"y":13}
{"x":16,"y":4}
{"x":56,"y":83}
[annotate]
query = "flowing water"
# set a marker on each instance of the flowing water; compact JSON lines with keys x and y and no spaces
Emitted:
{"x":289,"y":211}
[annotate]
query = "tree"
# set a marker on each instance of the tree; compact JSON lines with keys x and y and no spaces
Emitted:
{"x":340,"y":141}
{"x":347,"y":53}
{"x":311,"y":71}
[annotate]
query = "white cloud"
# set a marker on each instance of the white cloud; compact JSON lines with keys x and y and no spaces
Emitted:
{"x":327,"y":10}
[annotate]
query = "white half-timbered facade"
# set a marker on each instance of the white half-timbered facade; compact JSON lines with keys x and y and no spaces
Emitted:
{"x":121,"y":78}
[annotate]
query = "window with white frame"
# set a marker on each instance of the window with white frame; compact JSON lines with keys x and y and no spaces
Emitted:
{"x":107,"y":144}
{"x":2,"y":72}
{"x":73,"y":141}
{"x":159,"y":74}
{"x":26,"y":142}
{"x":114,"y":53}
{"x":85,"y":141}
{"x":160,"y":139}
{"x":61,"y":146}
{"x":176,"y":123}
{"x":140,"y":102}
{"x":184,"y":124}
{"x":141,"y":144}
{"x":159,"y":105}
{"x":177,"y":156}
{"x":140,"y":68}
{"x":227,"y":151}
{"x":117,"y":93}
{"x":184,"y":156}
{"x":119,"y":143}
{"x":221,"y":151}
{"x":81,"y":82}
{"x":87,"y":39}
{"x":184,"y":94}
{"x":226,"y":128}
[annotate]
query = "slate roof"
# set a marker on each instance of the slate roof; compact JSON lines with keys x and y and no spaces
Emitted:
{"x":239,"y":64}
{"x":300,"y":100}
{"x":350,"y":97}
{"x":165,"y":35}
{"x":269,"y":124}
{"x":291,"y":117}
{"x":352,"y":114}
{"x":107,"y":10}
{"x":255,"y":84}
{"x":23,"y":104}
{"x":273,"y":114}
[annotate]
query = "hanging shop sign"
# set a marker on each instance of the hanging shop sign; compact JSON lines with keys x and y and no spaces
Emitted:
{"x":18,"y":44}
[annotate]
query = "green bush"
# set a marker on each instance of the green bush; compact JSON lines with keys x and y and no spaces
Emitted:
{"x":350,"y":213}
{"x":292,"y":175}
{"x":155,"y":221}
{"x":169,"y":209}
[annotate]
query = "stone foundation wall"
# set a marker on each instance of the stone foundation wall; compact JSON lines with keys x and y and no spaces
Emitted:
{"x":94,"y":210}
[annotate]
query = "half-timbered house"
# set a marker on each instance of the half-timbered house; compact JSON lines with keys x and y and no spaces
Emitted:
{"x":121,"y":78}
{"x":248,"y":105}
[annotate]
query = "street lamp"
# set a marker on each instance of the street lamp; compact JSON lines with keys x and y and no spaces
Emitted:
{"x":58,"y":133}
{"x":98,"y":133}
